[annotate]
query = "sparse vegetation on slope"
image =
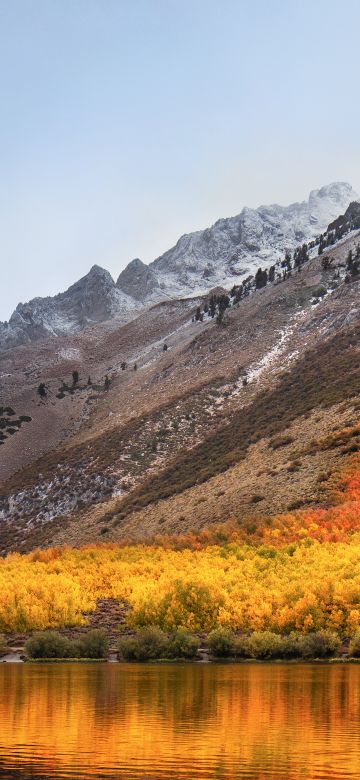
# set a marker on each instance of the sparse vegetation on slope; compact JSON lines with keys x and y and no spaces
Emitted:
{"x":184,"y":418}
{"x":10,"y":423}
{"x":323,"y":377}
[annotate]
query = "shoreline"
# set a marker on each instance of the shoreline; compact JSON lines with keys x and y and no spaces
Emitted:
{"x":184,"y":661}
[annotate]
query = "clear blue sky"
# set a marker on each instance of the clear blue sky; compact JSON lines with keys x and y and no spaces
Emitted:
{"x":125,"y":123}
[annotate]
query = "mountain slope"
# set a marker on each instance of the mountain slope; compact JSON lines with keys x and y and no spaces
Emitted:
{"x":193,"y":422}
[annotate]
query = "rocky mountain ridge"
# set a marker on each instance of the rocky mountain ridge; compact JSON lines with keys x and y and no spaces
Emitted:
{"x":221,"y":255}
{"x":94,"y":298}
{"x":237,"y":246}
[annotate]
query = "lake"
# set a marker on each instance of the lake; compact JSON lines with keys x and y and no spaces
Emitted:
{"x":183,"y":721}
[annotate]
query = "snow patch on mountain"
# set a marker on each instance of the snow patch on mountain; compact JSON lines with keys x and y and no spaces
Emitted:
{"x":219,"y":256}
{"x":237,"y":246}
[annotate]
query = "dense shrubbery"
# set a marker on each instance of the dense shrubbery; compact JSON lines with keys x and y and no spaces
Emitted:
{"x":320,"y":644}
{"x":148,"y":644}
{"x":50,"y":644}
{"x":3,"y":647}
{"x":301,"y":573}
{"x":183,"y":644}
{"x":266,"y":645}
{"x":221,"y":643}
{"x":354,"y":646}
{"x":93,"y":644}
{"x":151,"y":643}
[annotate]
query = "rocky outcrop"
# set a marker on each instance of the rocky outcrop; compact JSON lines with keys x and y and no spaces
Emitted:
{"x":92,"y":299}
{"x":138,"y":280}
{"x":348,"y":221}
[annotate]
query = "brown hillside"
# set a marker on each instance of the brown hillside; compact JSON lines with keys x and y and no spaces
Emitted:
{"x":192,"y":435}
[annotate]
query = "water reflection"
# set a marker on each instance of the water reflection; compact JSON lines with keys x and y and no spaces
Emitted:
{"x":181,"y":721}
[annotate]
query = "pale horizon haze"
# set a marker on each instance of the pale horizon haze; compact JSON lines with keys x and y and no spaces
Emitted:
{"x":126,"y":123}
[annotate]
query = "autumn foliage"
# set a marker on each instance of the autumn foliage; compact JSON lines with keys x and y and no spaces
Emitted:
{"x":295,"y":572}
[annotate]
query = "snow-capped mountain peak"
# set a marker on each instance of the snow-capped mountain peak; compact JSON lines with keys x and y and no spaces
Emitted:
{"x":237,"y":246}
{"x":232,"y":248}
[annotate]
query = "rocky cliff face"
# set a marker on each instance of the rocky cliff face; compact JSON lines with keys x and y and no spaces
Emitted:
{"x":94,"y":298}
{"x":218,"y":256}
{"x":237,"y":246}
{"x":139,"y":281}
{"x":348,"y":221}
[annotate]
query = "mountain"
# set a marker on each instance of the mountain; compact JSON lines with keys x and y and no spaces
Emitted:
{"x":137,"y":426}
{"x":92,"y":299}
{"x":237,"y":246}
{"x":221,"y":255}
{"x":139,"y":281}
{"x":211,"y":442}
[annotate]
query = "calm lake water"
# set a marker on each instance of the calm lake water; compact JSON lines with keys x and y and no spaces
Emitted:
{"x":223,"y":722}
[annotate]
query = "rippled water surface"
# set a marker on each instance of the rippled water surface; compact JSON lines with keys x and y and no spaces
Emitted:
{"x":261,"y":722}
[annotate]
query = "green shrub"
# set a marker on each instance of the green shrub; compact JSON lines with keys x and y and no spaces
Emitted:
{"x":127,"y":648}
{"x":94,"y":645}
{"x":264,"y":644}
{"x":183,"y":644}
{"x":221,"y":643}
{"x":239,"y":649}
{"x":291,"y":646}
{"x":319,"y":644}
{"x":50,"y":644}
{"x":149,"y":643}
{"x":354,"y":646}
{"x":3,"y":647}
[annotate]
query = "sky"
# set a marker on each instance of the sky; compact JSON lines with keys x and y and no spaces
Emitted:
{"x":126,"y":123}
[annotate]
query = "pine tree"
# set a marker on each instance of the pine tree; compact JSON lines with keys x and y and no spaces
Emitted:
{"x":212,"y":306}
{"x":261,"y":278}
{"x":271,"y":273}
{"x":42,"y":391}
{"x":350,"y":261}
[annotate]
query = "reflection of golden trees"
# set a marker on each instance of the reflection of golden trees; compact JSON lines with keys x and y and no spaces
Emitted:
{"x":221,"y":721}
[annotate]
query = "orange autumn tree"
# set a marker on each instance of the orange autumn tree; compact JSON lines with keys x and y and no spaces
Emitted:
{"x":299,"y":571}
